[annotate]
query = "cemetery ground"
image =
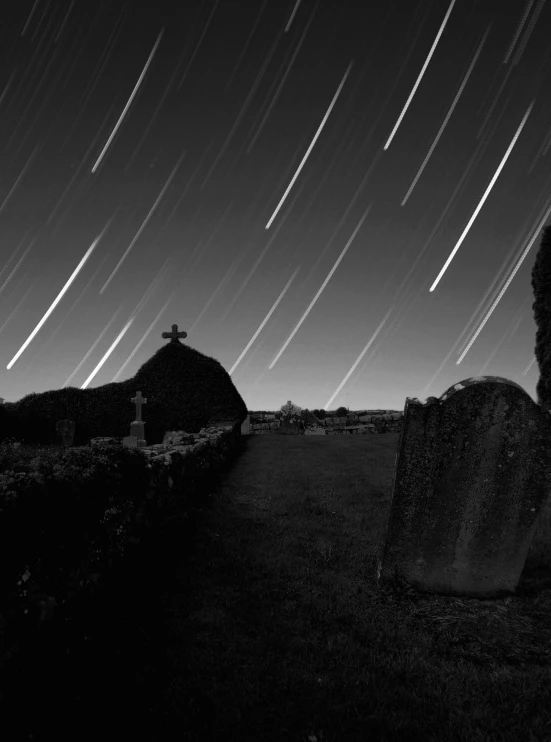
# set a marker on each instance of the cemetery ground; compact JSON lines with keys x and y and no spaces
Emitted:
{"x":256,"y":615}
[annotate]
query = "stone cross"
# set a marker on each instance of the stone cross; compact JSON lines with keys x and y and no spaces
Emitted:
{"x":174,"y":335}
{"x":139,"y":400}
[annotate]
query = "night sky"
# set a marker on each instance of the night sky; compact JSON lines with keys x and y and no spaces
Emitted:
{"x":285,"y":181}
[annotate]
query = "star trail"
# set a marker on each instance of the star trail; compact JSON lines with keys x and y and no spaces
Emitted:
{"x":340,"y":202}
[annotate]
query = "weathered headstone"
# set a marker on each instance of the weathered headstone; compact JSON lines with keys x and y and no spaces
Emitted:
{"x":136,"y":439}
{"x":289,"y":425}
{"x":472,"y":477}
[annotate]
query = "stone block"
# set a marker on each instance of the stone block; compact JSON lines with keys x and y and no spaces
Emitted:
{"x":472,"y":477}
{"x":246,"y":426}
{"x":132,"y":441}
{"x":178,"y":438}
{"x":137,"y":429}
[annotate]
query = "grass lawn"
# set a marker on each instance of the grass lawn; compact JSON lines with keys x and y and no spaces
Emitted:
{"x":276,"y":628}
{"x":257,"y":616}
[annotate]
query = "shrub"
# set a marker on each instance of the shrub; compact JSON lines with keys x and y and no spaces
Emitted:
{"x":541,"y":285}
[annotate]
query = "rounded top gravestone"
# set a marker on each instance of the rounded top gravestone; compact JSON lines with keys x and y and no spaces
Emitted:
{"x":473,"y":474}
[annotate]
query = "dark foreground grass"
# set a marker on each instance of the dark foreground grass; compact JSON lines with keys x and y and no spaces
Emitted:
{"x":257,"y":616}
{"x":277,"y":624}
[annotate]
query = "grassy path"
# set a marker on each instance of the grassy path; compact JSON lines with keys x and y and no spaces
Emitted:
{"x":275,"y":629}
{"x":256,"y":616}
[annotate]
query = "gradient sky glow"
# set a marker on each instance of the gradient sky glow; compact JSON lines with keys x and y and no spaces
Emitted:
{"x":341,"y":205}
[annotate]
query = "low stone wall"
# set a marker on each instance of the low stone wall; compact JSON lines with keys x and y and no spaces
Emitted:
{"x":175,"y":468}
{"x":179,"y":462}
{"x":390,"y":422}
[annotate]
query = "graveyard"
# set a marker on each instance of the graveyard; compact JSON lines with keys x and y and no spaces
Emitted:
{"x":275,"y":573}
{"x":260,"y":611}
{"x":378,"y":574}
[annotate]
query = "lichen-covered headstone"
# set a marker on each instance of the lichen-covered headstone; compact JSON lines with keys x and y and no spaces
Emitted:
{"x":472,"y":477}
{"x":290,"y":425}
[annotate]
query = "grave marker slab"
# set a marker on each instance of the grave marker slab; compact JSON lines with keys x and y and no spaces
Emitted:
{"x":473,"y":474}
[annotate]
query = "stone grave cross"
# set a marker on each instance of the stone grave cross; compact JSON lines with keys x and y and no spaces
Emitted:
{"x":139,"y":400}
{"x":174,"y":335}
{"x":136,"y":439}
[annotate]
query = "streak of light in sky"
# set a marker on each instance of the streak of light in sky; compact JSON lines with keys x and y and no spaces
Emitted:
{"x":517,"y":32}
{"x":151,"y":326}
{"x":282,"y":81}
{"x":12,"y":189}
{"x":133,"y":316}
{"x":69,"y":314}
{"x":288,"y":26}
{"x":447,"y":118}
{"x":111,"y":348}
{"x":132,"y":96}
{"x":359,"y":358}
{"x":483,"y":199}
{"x":504,"y":289}
{"x":323,"y":285}
{"x":89,"y":353}
{"x":2,"y":287}
{"x":528,"y":33}
{"x":405,"y":108}
{"x":242,"y":112}
{"x":59,"y":297}
{"x":506,"y":337}
{"x":266,"y":318}
{"x":17,"y":307}
{"x":198,"y":45}
{"x":295,"y":176}
{"x":458,"y":341}
{"x":145,"y":221}
{"x":245,"y":46}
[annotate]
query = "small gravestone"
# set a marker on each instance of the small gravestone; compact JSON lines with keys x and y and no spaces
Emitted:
{"x":472,"y":477}
{"x":291,"y":425}
{"x":246,"y":426}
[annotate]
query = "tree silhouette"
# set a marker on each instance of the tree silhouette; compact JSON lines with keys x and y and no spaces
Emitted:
{"x":541,"y":285}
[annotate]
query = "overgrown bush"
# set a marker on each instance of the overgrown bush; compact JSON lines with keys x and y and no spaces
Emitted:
{"x":541,"y":285}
